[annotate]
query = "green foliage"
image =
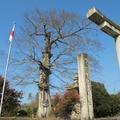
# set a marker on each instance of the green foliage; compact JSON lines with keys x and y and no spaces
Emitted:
{"x":11,"y":101}
{"x":29,"y":112}
{"x":115,"y":104}
{"x":22,"y":113}
{"x":101,"y":100}
{"x":104,"y":103}
{"x":31,"y":108}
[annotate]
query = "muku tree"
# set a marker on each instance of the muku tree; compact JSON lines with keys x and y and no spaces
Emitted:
{"x":49,"y":42}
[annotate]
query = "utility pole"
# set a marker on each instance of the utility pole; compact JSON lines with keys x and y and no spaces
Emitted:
{"x":85,"y":90}
{"x":107,"y":26}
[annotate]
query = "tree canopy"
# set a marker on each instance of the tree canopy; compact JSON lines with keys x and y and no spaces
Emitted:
{"x":69,"y":36}
{"x":11,"y":101}
{"x":51,"y":42}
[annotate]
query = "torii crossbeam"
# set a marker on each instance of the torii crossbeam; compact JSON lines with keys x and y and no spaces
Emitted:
{"x":107,"y":26}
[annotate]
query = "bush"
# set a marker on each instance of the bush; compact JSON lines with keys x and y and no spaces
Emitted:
{"x":101,"y":100}
{"x":104,"y":103}
{"x":11,"y":101}
{"x":22,"y":113}
{"x":63,"y":104}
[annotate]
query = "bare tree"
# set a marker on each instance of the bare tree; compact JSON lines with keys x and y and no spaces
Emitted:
{"x":49,"y":44}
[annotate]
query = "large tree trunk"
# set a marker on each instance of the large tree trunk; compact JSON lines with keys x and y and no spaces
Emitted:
{"x":44,"y":105}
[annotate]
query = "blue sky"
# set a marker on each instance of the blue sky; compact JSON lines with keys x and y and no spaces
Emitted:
{"x":14,"y":10}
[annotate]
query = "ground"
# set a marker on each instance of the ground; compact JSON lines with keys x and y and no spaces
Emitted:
{"x":13,"y":118}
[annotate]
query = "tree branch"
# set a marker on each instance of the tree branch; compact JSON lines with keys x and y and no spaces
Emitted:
{"x":35,"y":27}
{"x":66,"y":36}
{"x":61,"y":36}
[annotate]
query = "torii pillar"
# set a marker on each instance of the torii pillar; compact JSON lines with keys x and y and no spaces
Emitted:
{"x":85,"y":90}
{"x":107,"y":26}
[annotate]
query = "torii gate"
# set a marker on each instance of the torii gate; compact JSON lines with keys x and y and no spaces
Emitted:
{"x":107,"y":26}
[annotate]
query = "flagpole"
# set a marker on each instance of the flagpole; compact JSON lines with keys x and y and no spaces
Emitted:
{"x":5,"y":76}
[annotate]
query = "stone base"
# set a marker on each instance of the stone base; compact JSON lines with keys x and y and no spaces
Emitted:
{"x":75,"y":114}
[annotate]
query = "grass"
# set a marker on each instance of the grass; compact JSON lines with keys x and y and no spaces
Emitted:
{"x":51,"y":118}
{"x":26,"y":118}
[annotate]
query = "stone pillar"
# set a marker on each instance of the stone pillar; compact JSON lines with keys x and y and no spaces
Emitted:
{"x":84,"y":88}
{"x":118,"y":49}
